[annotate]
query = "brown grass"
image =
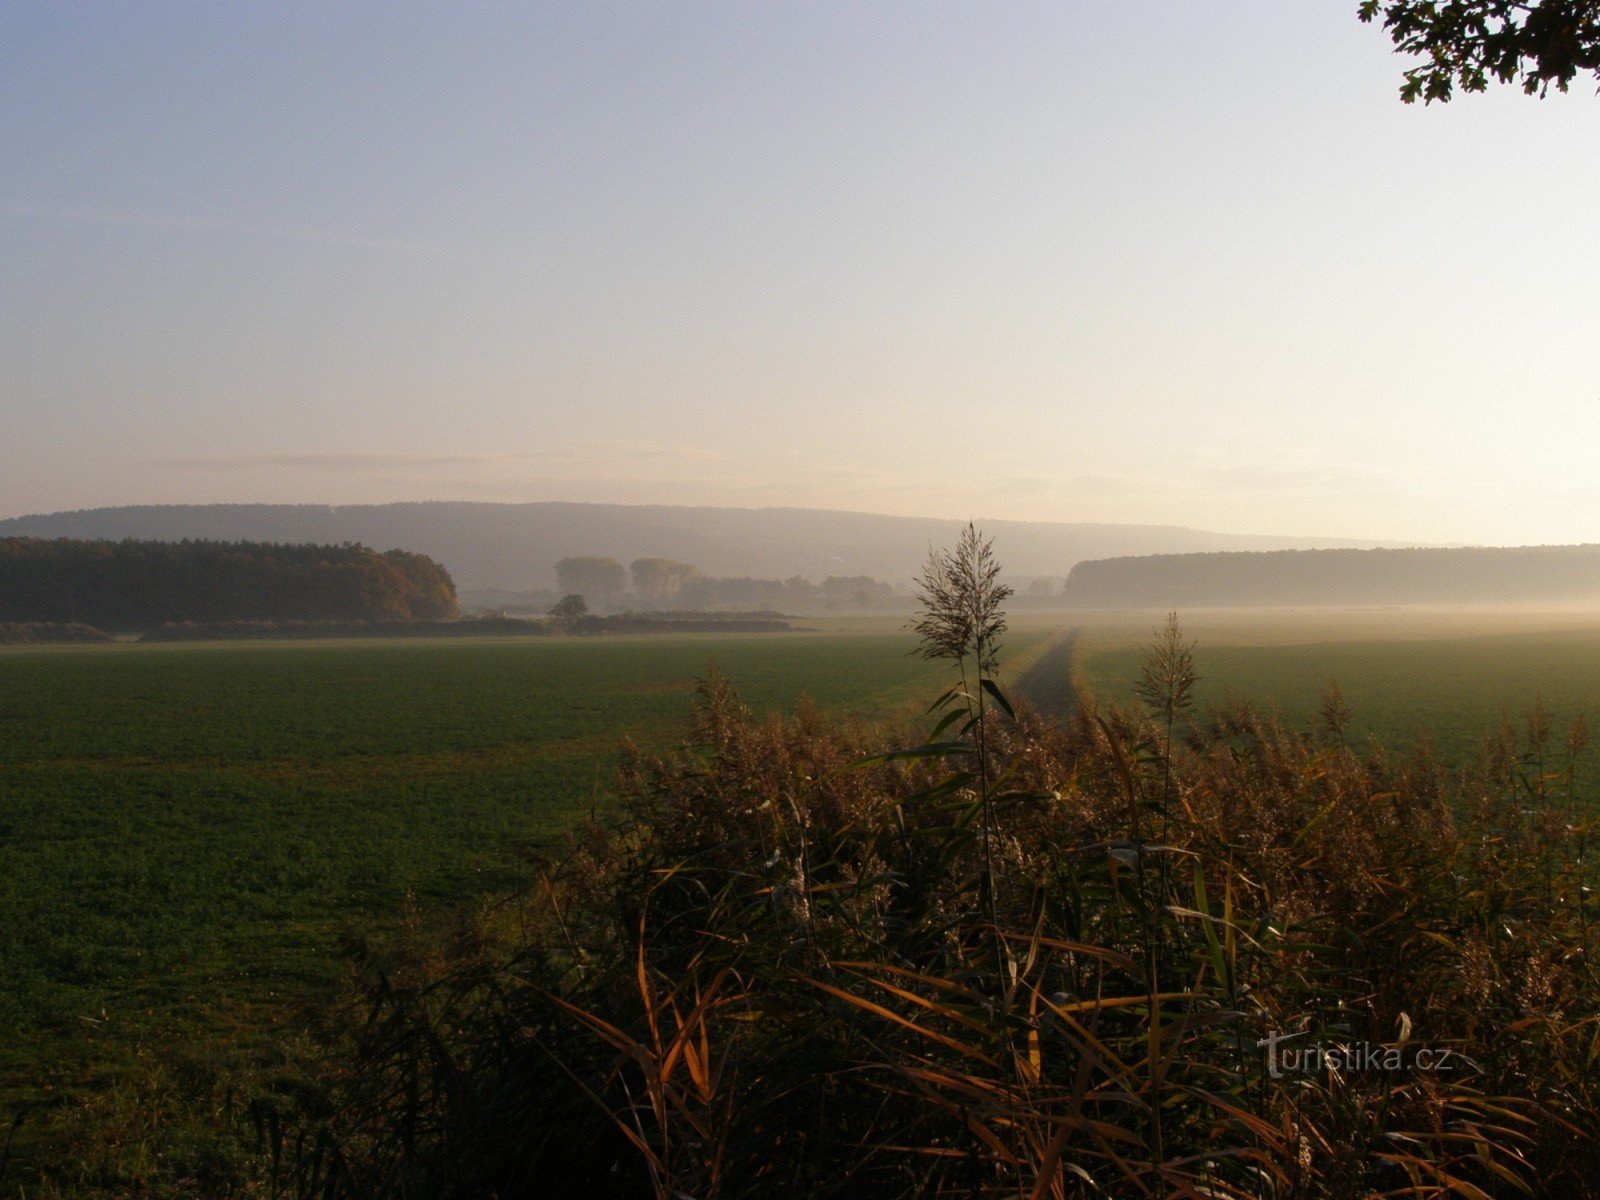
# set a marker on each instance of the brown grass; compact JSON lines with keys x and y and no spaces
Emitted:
{"x":800,"y":966}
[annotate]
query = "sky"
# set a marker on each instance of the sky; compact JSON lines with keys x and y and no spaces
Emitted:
{"x":1130,"y":261}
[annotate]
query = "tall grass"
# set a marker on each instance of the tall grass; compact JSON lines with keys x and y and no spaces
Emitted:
{"x":802,"y":964}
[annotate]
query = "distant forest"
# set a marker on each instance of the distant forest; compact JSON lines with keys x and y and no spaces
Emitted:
{"x":131,"y":585}
{"x":512,"y":546}
{"x":1467,"y":575}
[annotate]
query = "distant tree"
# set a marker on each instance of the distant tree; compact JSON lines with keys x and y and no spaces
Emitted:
{"x":602,"y":578}
{"x":703,"y":592}
{"x":1468,"y":42}
{"x":659,"y":579}
{"x":1042,"y":587}
{"x":569,"y":610}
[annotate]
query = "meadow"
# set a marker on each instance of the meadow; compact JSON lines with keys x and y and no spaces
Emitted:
{"x":1450,"y":677}
{"x":1032,"y":957}
{"x":189,"y":833}
{"x":197,"y":839}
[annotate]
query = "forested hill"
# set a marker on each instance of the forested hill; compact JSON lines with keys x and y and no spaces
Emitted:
{"x":517,"y":545}
{"x":134,"y":585}
{"x":1467,"y":575}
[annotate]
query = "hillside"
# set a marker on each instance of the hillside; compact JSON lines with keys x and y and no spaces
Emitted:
{"x":516,"y":545}
{"x":1458,"y":575}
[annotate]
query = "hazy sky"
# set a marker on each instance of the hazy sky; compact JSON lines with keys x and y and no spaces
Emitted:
{"x":1117,"y":261}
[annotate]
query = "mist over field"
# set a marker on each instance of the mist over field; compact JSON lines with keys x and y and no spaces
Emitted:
{"x":517,"y":545}
{"x":1564,"y":575}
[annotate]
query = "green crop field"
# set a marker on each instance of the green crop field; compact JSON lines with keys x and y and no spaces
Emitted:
{"x":188,"y":831}
{"x":1451,"y":676}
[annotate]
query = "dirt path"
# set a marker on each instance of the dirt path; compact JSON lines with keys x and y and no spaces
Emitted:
{"x":1048,"y":683}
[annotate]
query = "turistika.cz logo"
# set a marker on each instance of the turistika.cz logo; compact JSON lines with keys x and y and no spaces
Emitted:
{"x":1345,"y":1058}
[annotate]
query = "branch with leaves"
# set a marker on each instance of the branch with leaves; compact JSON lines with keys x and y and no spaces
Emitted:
{"x":1466,"y":43}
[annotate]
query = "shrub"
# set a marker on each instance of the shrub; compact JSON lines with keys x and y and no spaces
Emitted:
{"x":795,"y":964}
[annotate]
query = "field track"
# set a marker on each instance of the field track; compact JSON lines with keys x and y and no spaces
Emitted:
{"x":1048,"y":684}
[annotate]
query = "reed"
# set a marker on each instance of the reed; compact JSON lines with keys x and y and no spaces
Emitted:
{"x":800,"y":963}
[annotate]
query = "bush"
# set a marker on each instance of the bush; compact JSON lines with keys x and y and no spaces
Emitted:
{"x":1021,"y":958}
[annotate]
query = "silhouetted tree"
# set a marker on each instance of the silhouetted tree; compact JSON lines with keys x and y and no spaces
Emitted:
{"x":1468,"y":42}
{"x":569,"y":610}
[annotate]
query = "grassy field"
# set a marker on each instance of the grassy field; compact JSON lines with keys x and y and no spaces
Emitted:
{"x":1453,"y":675}
{"x":188,"y":831}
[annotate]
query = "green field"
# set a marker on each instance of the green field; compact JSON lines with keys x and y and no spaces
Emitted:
{"x":1452,"y":676}
{"x":188,"y":831}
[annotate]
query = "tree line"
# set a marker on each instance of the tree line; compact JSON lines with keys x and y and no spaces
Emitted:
{"x":133,"y":584}
{"x":659,"y":582}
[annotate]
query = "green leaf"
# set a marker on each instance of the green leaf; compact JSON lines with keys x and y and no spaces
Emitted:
{"x":993,"y":689}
